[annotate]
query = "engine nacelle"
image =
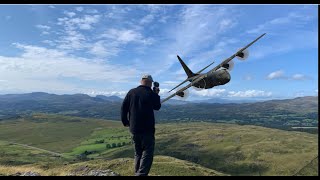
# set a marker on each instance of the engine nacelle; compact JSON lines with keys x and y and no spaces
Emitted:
{"x":183,"y":95}
{"x":243,"y":55}
{"x":229,"y":66}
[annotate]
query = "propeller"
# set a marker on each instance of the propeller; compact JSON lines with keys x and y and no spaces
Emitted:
{"x":243,"y":55}
{"x":229,"y":66}
{"x":183,"y":95}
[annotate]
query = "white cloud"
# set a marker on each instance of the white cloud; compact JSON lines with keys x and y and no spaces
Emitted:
{"x":288,"y":33}
{"x":201,"y":93}
{"x":192,"y":34}
{"x":121,"y":94}
{"x":276,"y":23}
{"x":147,"y":19}
{"x":42,"y":69}
{"x":280,"y":75}
{"x":164,"y":92}
{"x":49,"y":42}
{"x":43,"y":27}
{"x":126,"y":36}
{"x":276,"y":75}
{"x":163,"y":19}
{"x":72,"y":40}
{"x":35,"y":52}
{"x":225,"y":24}
{"x":92,"y":11}
{"x":106,"y":44}
{"x":85,"y":23}
{"x":171,"y":82}
{"x":70,"y":14}
{"x":111,"y":42}
{"x":222,"y":93}
{"x":103,"y":49}
{"x":249,"y":94}
{"x":300,"y":77}
{"x":209,"y":92}
{"x":79,"y":9}
{"x":51,"y":6}
{"x":122,"y":35}
{"x":45,"y":33}
{"x":286,"y":42}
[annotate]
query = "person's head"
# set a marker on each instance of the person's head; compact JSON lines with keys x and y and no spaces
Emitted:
{"x":146,"y":80}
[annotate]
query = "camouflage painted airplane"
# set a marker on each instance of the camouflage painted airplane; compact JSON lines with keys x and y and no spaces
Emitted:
{"x":217,"y":76}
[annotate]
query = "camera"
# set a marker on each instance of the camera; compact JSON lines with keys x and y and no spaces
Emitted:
{"x":156,"y":87}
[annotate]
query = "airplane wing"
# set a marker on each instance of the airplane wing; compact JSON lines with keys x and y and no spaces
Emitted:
{"x":234,"y":55}
{"x":204,"y":68}
{"x":179,"y":84}
{"x":191,"y":77}
{"x":182,"y":89}
{"x":200,"y":77}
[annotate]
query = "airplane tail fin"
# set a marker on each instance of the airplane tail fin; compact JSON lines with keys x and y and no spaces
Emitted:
{"x":186,"y":69}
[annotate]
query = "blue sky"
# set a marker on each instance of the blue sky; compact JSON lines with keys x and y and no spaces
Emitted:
{"x":105,"y":49}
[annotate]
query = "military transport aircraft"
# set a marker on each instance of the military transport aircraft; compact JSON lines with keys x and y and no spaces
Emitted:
{"x":217,"y":76}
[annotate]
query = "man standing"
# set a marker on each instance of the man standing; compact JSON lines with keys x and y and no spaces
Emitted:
{"x":139,"y":104}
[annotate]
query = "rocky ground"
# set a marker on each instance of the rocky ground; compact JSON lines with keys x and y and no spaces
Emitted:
{"x":86,"y":171}
{"x":81,"y":171}
{"x":26,"y":174}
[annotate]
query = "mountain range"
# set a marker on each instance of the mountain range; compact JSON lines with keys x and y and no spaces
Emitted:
{"x":301,"y":111}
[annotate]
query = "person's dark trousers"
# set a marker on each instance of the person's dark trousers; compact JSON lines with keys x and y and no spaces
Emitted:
{"x":144,"y":149}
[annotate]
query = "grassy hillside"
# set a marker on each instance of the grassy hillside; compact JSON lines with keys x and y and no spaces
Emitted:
{"x":227,"y":148}
{"x":238,"y":150}
{"x":162,"y":166}
{"x":51,"y":132}
{"x":14,"y":155}
{"x":234,"y":149}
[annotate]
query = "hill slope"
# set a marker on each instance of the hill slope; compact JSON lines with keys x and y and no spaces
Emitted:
{"x":162,"y":166}
{"x":227,"y":148}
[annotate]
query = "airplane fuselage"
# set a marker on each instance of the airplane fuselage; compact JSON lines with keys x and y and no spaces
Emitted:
{"x":216,"y":78}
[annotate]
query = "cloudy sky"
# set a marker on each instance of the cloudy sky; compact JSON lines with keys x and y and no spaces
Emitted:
{"x":104,"y":49}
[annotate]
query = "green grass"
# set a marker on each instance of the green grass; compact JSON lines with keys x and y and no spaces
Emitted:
{"x":14,"y":155}
{"x":162,"y":166}
{"x":227,"y":148}
{"x":238,"y":150}
{"x":110,"y":135}
{"x":51,"y":132}
{"x":232,"y":149}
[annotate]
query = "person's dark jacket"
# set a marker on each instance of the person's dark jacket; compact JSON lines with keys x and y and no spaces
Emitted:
{"x":139,"y":104}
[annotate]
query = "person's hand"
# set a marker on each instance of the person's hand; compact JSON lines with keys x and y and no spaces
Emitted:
{"x":156,"y":90}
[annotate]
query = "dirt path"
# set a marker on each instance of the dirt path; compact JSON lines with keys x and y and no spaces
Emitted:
{"x":27,"y":146}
